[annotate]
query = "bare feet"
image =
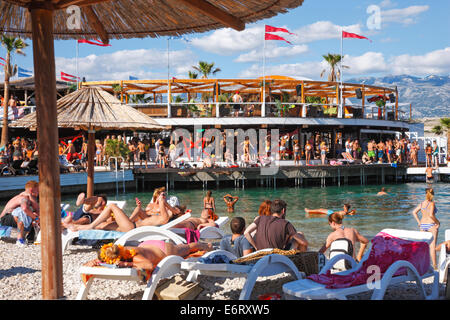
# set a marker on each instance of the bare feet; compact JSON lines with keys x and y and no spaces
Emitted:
{"x":80,"y":199}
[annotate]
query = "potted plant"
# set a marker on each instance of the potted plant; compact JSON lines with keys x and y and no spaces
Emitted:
{"x":117,"y":149}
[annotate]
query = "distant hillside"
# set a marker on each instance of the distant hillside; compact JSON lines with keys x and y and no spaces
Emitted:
{"x":430,"y":95}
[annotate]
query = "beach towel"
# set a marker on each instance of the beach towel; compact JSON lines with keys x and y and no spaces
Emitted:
{"x":386,"y":250}
{"x":191,"y":235}
{"x":5,"y":231}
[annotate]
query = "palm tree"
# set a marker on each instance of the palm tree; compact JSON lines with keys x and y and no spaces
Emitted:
{"x":206,"y":69}
{"x":192,"y":75}
{"x":445,"y":123}
{"x":333,"y":60}
{"x":139,"y":98}
{"x":437,"y":130}
{"x":12,"y":45}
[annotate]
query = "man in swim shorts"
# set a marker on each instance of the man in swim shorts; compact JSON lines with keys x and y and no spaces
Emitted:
{"x":89,"y":209}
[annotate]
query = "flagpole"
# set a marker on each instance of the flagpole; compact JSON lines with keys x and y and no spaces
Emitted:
{"x":263,"y":107}
{"x":342,"y":57}
{"x":169,"y":93}
{"x":76,"y":63}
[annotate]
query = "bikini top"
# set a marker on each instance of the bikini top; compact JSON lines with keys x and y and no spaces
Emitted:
{"x":421,"y":208}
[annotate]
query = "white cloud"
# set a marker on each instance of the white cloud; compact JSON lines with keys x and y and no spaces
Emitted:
{"x":434,"y":62}
{"x":119,"y":65}
{"x":272,"y":52}
{"x":323,"y":30}
{"x":404,"y":16}
{"x":369,"y":63}
{"x":229,"y":41}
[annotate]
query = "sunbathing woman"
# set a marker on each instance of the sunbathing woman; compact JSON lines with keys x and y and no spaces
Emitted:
{"x":329,"y":212}
{"x":207,"y":219}
{"x":429,"y":222}
{"x":145,"y":256}
{"x":122,"y":222}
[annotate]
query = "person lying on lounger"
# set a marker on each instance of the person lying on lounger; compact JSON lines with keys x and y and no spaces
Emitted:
{"x":89,"y":208}
{"x":446,"y":244}
{"x":207,"y":219}
{"x":123,"y":223}
{"x":145,"y":256}
{"x":329,"y":212}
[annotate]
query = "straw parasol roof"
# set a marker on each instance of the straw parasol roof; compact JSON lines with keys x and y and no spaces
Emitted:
{"x":94,"y":108}
{"x":142,"y":18}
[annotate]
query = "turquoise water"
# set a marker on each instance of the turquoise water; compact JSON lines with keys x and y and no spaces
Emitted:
{"x":374,"y":213}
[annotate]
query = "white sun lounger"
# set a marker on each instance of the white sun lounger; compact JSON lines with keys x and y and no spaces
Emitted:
{"x":269,"y":265}
{"x":308,"y":289}
{"x":134,"y":234}
{"x":167,"y":267}
{"x":444,"y":265}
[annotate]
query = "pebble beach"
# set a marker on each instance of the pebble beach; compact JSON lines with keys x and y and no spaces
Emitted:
{"x":20,"y":279}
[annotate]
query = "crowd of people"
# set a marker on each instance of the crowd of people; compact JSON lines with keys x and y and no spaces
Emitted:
{"x":269,"y":229}
{"x":161,"y":153}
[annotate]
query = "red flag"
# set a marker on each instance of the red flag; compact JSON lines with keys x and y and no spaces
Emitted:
{"x":269,"y":36}
{"x":275,"y":29}
{"x":353,"y":35}
{"x":94,"y":42}
{"x":3,"y":60}
{"x":68,"y":77}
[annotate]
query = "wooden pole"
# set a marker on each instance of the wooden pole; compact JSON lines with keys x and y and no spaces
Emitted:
{"x":47,"y":137}
{"x":90,"y":167}
{"x":363,"y":96}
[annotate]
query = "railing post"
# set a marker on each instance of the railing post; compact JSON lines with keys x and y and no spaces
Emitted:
{"x":217,"y":109}
{"x":169,"y":96}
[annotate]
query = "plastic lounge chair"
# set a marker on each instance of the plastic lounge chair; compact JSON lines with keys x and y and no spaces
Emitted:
{"x":340,"y":247}
{"x":309,"y":289}
{"x":134,"y":234}
{"x":167,"y":267}
{"x":347,"y":158}
{"x":268,"y":265}
{"x":444,"y":264}
{"x":208,"y":232}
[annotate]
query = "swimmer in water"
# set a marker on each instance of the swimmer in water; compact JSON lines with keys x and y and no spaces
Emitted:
{"x":328,"y":212}
{"x":230,"y":202}
{"x":382,"y":192}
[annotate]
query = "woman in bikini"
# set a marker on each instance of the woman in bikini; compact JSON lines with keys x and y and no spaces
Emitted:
{"x":308,"y":152}
{"x":329,"y":212}
{"x":428,"y":222}
{"x":209,"y":202}
{"x":98,"y":153}
{"x":340,"y":231}
{"x":207,"y":219}
{"x":145,"y":256}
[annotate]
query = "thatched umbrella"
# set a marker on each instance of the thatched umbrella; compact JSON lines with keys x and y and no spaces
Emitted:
{"x":45,"y":20}
{"x":92,"y":109}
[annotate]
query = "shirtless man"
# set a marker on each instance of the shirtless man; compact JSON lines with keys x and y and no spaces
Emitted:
{"x":382,"y":192}
{"x":24,"y":209}
{"x":71,"y":152}
{"x":123,"y":223}
{"x":230,"y":202}
{"x":328,"y":212}
{"x":142,"y":153}
{"x":429,"y":178}
{"x":381,"y":148}
{"x":89,"y":209}
{"x":335,"y":222}
{"x":371,"y":150}
{"x":237,"y":100}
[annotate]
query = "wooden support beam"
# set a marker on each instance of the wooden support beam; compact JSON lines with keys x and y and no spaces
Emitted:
{"x":96,"y":24}
{"x":216,"y":13}
{"x":47,"y":138}
{"x":67,"y":3}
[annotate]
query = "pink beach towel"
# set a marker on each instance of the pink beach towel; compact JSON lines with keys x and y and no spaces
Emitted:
{"x":191,"y":235}
{"x":386,"y":250}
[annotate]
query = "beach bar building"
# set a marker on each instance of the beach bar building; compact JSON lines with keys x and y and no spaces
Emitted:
{"x":306,"y":109}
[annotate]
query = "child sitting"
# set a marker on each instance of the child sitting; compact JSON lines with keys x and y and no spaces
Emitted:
{"x":236,"y":242}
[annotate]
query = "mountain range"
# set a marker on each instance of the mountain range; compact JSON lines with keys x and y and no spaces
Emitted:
{"x":429,"y":96}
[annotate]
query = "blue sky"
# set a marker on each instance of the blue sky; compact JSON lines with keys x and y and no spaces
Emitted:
{"x":412,"y":38}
